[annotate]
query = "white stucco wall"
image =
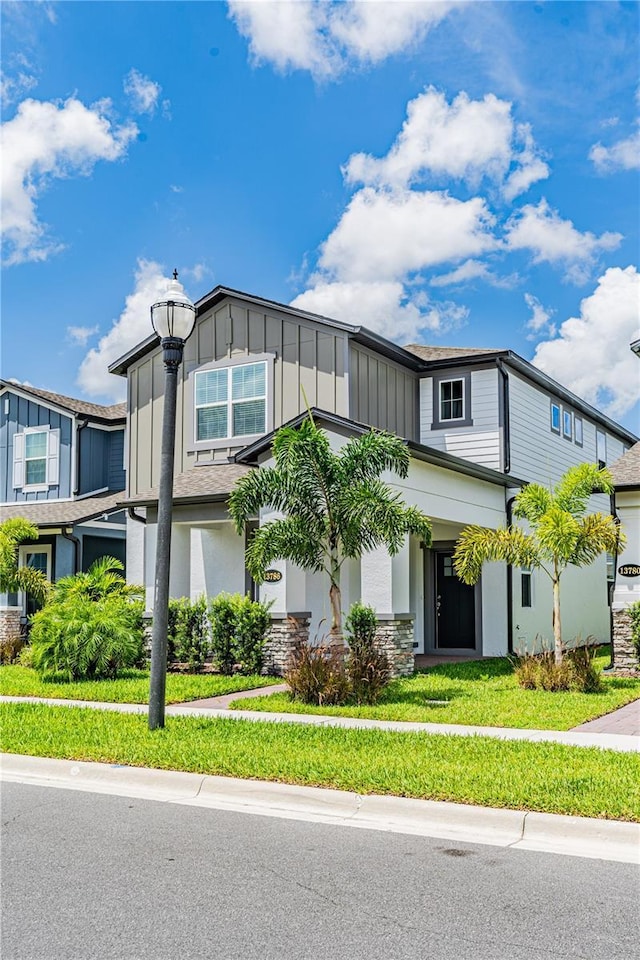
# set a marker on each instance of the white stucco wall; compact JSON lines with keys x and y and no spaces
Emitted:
{"x":216,"y":560}
{"x":627,"y":589}
{"x":135,"y":551}
{"x":494,"y":610}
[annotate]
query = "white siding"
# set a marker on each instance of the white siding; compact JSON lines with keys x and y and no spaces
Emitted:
{"x":537,"y":454}
{"x":479,"y":443}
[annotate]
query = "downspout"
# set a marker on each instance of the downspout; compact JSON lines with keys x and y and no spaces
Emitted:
{"x":506,"y":451}
{"x":76,"y":548}
{"x":612,"y":587}
{"x":509,"y":511}
{"x":79,"y":429}
{"x":135,"y":516}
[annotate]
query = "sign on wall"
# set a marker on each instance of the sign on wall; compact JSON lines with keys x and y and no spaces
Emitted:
{"x":629,"y":570}
{"x":272,"y":576}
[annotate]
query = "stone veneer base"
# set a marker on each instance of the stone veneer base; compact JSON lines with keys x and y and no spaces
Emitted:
{"x":624,"y":655}
{"x":283,"y":637}
{"x":395,"y":638}
{"x":10,"y":623}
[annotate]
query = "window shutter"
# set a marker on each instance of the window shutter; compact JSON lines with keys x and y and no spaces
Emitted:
{"x":18,"y":461}
{"x":53,"y":457}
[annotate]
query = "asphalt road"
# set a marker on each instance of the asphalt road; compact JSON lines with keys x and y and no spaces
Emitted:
{"x":94,"y":877}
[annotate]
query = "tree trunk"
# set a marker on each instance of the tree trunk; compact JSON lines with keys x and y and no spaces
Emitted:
{"x":335,"y":598}
{"x":557,"y":627}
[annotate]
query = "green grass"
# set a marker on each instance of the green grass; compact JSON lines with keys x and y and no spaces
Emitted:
{"x":478,"y":693}
{"x":131,"y":686}
{"x":477,"y":770}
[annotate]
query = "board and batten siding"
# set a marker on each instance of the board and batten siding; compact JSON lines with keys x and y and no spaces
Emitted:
{"x":308,"y":357}
{"x":538,"y":455}
{"x":481,"y":442}
{"x":18,"y":413}
{"x":382,"y":394}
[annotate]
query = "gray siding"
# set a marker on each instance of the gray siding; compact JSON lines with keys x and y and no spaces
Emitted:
{"x":307,"y":356}
{"x":382,"y":393}
{"x":537,"y":453}
{"x":116,"y":477}
{"x":94,"y":447}
{"x":481,"y":442}
{"x":23,"y":413}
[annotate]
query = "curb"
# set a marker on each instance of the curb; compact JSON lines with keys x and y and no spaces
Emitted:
{"x":612,"y":840}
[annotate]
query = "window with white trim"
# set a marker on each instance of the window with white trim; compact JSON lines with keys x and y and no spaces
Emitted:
{"x":601,"y":448}
{"x":555,"y":417}
{"x":567,"y":424}
{"x":231,"y":401}
{"x":36,"y":459}
{"x":38,"y":558}
{"x":526,"y":587}
{"x":577,"y":431}
{"x":452,"y":399}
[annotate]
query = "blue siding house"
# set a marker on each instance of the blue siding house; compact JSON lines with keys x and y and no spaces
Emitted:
{"x":62,"y":468}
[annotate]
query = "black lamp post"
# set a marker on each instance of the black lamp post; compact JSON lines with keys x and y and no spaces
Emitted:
{"x":173,"y":319}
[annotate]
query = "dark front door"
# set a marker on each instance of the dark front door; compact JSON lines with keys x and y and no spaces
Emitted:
{"x":455,"y":607}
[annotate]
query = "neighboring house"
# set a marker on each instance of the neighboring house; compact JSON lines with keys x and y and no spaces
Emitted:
{"x":479,"y":424}
{"x":626,"y":585}
{"x":62,"y":468}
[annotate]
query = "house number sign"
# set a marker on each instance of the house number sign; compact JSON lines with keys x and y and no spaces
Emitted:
{"x":629,"y":570}
{"x":272,"y":576}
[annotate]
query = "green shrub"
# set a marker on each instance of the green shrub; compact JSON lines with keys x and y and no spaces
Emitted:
{"x":188,"y":634}
{"x":238,"y":631}
{"x":317,"y":675}
{"x":10,"y":648}
{"x":368,"y":668}
{"x":25,"y":657}
{"x":87,"y":639}
{"x":576,"y":672}
{"x":91,"y":626}
{"x":634,"y":613}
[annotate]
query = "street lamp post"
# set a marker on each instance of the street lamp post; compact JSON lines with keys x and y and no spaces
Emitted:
{"x":173,"y":319}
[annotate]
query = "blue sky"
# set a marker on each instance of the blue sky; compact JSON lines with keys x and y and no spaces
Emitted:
{"x":450,"y":173}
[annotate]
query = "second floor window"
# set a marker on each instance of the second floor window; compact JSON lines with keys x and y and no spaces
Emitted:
{"x":601,"y":448}
{"x":452,"y":400}
{"x":231,"y":402}
{"x":35,"y":459}
{"x":567,"y":422}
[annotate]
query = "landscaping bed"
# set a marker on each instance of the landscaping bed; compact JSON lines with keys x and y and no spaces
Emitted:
{"x":546,"y":777}
{"x":130,"y":686}
{"x":475,"y":693}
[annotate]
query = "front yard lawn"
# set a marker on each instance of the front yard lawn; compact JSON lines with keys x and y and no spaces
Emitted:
{"x":131,"y":686}
{"x":479,"y":770}
{"x":477,"y":693}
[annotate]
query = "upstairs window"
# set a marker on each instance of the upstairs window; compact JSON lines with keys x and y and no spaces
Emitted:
{"x":451,"y":400}
{"x":36,"y":459}
{"x":555,"y":417}
{"x":577,"y":430}
{"x":601,"y":448}
{"x":567,"y":424}
{"x":231,"y":402}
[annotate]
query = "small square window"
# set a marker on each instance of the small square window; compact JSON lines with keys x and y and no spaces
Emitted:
{"x":452,"y":400}
{"x":567,"y":424}
{"x":577,"y":430}
{"x":555,"y":417}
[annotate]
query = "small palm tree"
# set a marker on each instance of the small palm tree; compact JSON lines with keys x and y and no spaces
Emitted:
{"x":103,"y":579}
{"x":562,"y":534}
{"x":335,"y":505}
{"x":12,"y":577}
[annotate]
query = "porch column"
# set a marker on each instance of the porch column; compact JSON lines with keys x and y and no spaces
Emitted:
{"x":180,"y":561}
{"x":216,"y":560}
{"x":385,"y":586}
{"x":285,"y":586}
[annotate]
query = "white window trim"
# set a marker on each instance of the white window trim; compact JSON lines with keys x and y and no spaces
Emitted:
{"x":464,"y":400}
{"x":578,"y":420}
{"x":528,"y":571}
{"x":51,"y":458}
{"x":567,"y":414}
{"x":25,"y":549}
{"x":230,"y":440}
{"x":555,"y":406}
{"x":601,"y":436}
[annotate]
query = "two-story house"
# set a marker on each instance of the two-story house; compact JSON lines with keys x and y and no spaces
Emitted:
{"x":478,"y":423}
{"x":62,"y":468}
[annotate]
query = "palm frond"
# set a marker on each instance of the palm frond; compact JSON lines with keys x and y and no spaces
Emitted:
{"x":532,"y":502}
{"x":287,"y":539}
{"x":598,"y":533}
{"x":578,"y":483}
{"x":366,"y":457}
{"x":479,"y":545}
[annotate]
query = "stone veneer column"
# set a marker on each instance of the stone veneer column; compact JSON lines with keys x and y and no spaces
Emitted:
{"x":10,"y":623}
{"x":385,"y":587}
{"x":625,"y":658}
{"x":284,"y":635}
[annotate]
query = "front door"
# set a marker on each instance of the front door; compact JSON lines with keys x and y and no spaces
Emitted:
{"x":455,"y":607}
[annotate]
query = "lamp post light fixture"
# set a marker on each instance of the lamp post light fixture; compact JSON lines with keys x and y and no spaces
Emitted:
{"x":173,"y":319}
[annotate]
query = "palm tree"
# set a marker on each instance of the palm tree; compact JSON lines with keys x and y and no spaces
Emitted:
{"x":103,"y":579}
{"x":12,"y":577}
{"x":562,"y":534}
{"x":335,"y":505}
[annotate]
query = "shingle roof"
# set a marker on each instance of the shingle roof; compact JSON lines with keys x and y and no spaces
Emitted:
{"x":199,"y":483}
{"x":51,"y":513}
{"x":116,"y":411}
{"x":426,"y":352}
{"x":626,"y":470}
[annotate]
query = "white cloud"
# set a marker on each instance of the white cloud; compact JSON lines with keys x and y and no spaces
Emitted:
{"x":325,"y":37}
{"x":539,"y":322}
{"x":465,"y":273}
{"x":81,"y":335}
{"x":623,"y":155}
{"x":386,"y":236}
{"x":591,"y":354}
{"x":14,"y":87}
{"x":143,"y":93}
{"x":131,"y":327}
{"x":465,"y":140}
{"x":175,"y":188}
{"x":382,"y":306}
{"x":554,"y":240}
{"x":47,"y":140}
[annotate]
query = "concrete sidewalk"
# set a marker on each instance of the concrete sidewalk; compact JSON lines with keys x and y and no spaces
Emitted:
{"x":607,"y":741}
{"x":612,"y":840}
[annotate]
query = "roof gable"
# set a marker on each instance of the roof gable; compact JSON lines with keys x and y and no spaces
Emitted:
{"x":96,"y":411}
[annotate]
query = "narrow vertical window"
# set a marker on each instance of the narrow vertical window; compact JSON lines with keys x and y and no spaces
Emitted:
{"x":577,"y":430}
{"x":601,"y":448}
{"x":525,"y":587}
{"x":567,"y":424}
{"x":555,"y":417}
